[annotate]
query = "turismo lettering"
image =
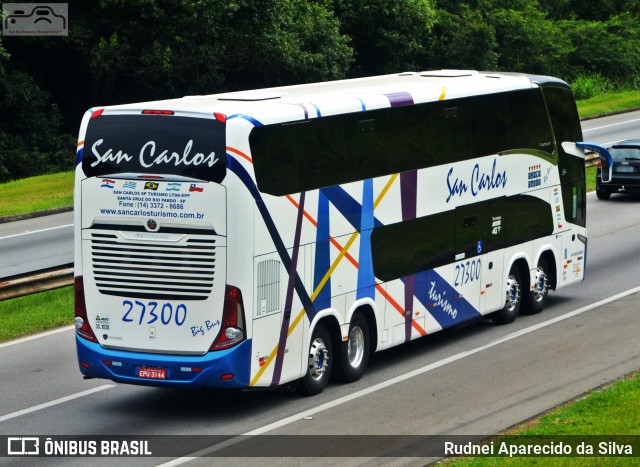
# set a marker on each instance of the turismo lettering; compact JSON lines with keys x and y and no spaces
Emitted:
{"x":480,"y":181}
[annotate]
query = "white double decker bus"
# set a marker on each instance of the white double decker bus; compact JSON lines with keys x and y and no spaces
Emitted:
{"x":266,"y":237}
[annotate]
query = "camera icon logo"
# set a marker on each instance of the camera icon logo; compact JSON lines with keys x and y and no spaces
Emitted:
{"x":35,"y":19}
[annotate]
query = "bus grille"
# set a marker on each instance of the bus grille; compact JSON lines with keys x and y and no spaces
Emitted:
{"x":183,"y":271}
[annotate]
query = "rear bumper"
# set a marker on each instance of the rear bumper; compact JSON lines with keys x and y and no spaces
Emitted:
{"x":619,"y":184}
{"x":202,"y":371}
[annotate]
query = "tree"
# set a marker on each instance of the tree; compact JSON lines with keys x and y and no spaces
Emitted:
{"x":463,"y":38}
{"x":388,"y":36}
{"x":529,"y":41}
{"x":30,"y":139}
{"x":142,"y":49}
{"x":610,"y":47}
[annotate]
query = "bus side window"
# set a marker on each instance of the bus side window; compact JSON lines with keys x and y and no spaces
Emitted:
{"x":411,"y":134}
{"x":489,"y":125}
{"x":274,"y":158}
{"x":451,"y":131}
{"x":319,"y":150}
{"x":408,"y":247}
{"x":366,"y":146}
{"x":528,"y":123}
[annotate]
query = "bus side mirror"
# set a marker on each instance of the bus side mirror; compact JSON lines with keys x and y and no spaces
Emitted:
{"x":604,"y":154}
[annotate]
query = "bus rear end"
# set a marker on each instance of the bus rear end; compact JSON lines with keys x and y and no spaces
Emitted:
{"x":152,"y":303}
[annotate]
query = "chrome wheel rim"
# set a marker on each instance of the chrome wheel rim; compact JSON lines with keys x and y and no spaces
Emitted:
{"x":541,"y":285}
{"x":355,"y":347}
{"x":318,"y":359}
{"x":513,"y":293}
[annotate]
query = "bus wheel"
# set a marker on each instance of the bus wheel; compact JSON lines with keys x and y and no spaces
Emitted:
{"x":513,"y":298}
{"x":355,"y":351}
{"x":319,"y":365}
{"x":537,"y":296}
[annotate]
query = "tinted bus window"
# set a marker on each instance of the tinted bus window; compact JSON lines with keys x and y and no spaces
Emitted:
{"x":155,"y":144}
{"x":489,"y":125}
{"x":563,"y":114}
{"x":412,"y":246}
{"x":451,"y":130}
{"x":527,"y":121}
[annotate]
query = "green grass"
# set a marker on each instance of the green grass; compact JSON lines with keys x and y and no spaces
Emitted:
{"x":36,"y":313}
{"x":614,"y":410}
{"x":609,"y":103}
{"x":591,"y":178}
{"x":36,"y":194}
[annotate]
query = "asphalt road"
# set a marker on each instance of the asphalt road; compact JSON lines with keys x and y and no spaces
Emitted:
{"x":34,"y":244}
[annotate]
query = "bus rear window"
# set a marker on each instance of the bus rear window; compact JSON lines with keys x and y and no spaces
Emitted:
{"x":155,"y":144}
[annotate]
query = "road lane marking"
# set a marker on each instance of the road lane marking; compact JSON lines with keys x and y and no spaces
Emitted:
{"x":36,"y":231}
{"x":612,"y":124}
{"x":36,"y":336}
{"x":398,"y":379}
{"x":62,"y":400}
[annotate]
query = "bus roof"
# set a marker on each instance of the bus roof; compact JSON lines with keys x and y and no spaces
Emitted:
{"x":290,"y":103}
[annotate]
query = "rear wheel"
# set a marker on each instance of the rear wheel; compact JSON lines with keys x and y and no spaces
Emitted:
{"x":602,"y":194}
{"x":319,"y":362}
{"x":513,"y":299}
{"x":537,"y":296}
{"x":355,"y":351}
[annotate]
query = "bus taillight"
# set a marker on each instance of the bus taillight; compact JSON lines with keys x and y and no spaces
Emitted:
{"x":82,"y":322}
{"x":157,"y":112}
{"x":232,"y":327}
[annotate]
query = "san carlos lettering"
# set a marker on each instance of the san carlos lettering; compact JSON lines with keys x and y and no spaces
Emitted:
{"x":479,"y":181}
{"x":177,"y":159}
{"x":148,"y":157}
{"x":108,"y":156}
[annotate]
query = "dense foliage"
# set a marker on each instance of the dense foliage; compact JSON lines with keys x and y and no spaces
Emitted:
{"x":133,"y":50}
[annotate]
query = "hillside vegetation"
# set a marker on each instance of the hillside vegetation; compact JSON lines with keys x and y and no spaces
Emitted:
{"x":140,"y":50}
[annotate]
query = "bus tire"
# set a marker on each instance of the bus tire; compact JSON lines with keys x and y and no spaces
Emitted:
{"x":537,"y":296}
{"x":320,"y":358}
{"x":354,"y":351}
{"x":513,"y":298}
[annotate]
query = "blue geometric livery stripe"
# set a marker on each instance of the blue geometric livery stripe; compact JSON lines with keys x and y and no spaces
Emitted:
{"x":248,"y":118}
{"x":366,"y":279}
{"x":348,"y":207}
{"x":441,"y":300}
{"x":323,"y":254}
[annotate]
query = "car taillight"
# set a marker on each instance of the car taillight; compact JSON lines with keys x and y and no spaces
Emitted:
{"x":600,"y":164}
{"x":82,"y":322}
{"x":232,"y":329}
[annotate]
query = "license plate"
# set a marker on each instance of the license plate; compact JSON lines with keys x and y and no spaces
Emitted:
{"x":626,"y":169}
{"x":152,"y":373}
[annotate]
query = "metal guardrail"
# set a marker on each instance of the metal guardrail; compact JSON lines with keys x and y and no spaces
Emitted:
{"x":590,"y":159}
{"x":39,"y":281}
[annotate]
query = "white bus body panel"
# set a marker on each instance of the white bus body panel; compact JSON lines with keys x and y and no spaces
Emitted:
{"x":153,"y":291}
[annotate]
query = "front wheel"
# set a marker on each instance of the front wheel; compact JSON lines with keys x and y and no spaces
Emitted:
{"x":513,"y":298}
{"x":319,"y":362}
{"x":537,"y":296}
{"x":355,"y":351}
